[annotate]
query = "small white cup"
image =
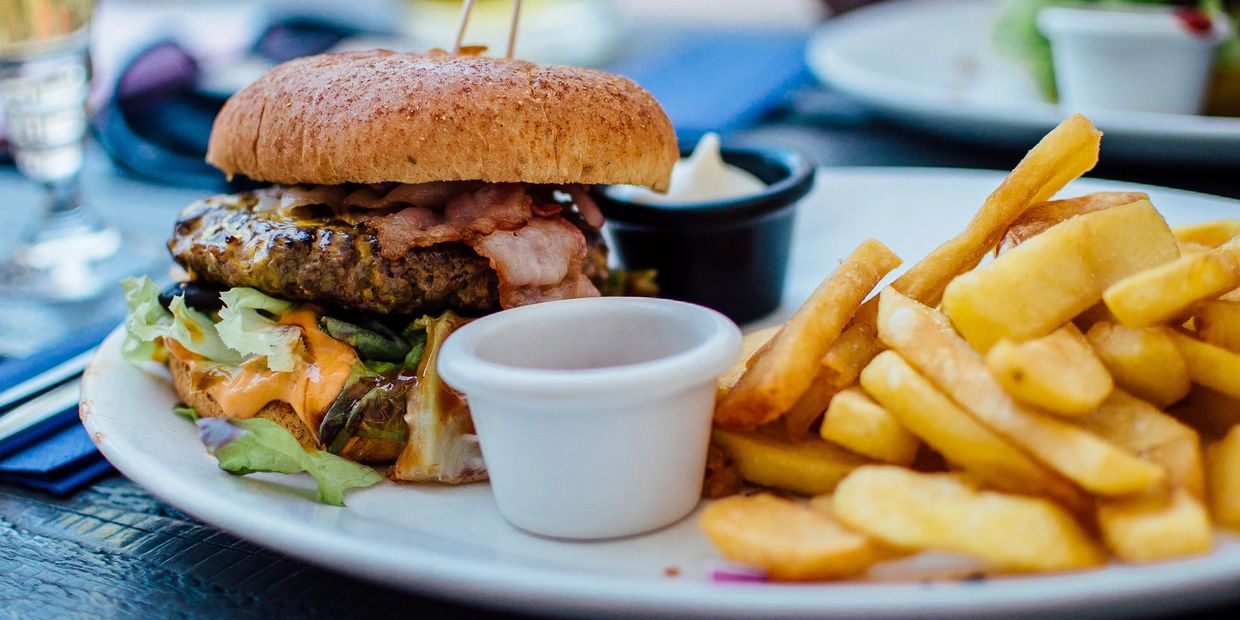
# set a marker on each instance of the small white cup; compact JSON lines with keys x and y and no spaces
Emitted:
{"x":593,"y":414}
{"x":1135,"y":58}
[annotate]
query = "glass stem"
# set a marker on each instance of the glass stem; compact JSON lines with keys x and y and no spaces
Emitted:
{"x":62,"y":196}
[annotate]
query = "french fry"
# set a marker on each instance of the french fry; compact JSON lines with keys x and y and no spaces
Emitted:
{"x":812,"y":404}
{"x":810,"y":466}
{"x":962,"y":440}
{"x":1057,"y":373}
{"x":939,"y":511}
{"x":1218,"y":323}
{"x":1223,"y":459}
{"x":855,"y":347}
{"x":751,"y":343}
{"x":1143,"y":430}
{"x":1168,"y":292}
{"x":1188,"y":248}
{"x":790,"y":541}
{"x":1208,"y":365}
{"x":1155,"y":527}
{"x":1067,"y":152}
{"x":1040,"y":217}
{"x":722,"y":478}
{"x":1070,"y":265}
{"x":1210,"y":234}
{"x":858,"y":423}
{"x":1210,"y":412}
{"x":783,"y":371}
{"x":1097,"y":313}
{"x":925,"y":339}
{"x":1142,"y":360}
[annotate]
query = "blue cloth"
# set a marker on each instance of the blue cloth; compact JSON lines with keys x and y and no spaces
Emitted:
{"x":56,"y":453}
{"x":66,"y":482}
{"x":55,"y":456}
{"x":14,"y":371}
{"x":720,"y":80}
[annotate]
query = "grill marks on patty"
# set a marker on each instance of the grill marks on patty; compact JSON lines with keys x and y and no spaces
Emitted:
{"x":332,"y":262}
{"x":339,"y":259}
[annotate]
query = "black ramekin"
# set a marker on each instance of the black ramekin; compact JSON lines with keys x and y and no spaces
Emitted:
{"x":730,"y":255}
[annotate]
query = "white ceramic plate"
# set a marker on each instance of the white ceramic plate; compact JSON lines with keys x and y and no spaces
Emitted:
{"x":931,"y":65}
{"x":450,"y":541}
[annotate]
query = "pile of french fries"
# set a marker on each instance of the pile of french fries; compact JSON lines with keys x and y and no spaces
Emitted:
{"x":1044,"y":411}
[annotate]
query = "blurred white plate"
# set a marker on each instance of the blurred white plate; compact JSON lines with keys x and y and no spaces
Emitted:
{"x":931,"y":65}
{"x":451,"y":542}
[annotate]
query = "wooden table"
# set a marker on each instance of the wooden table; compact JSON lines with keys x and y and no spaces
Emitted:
{"x":115,"y":551}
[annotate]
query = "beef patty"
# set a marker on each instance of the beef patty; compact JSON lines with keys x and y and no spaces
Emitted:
{"x":333,"y":261}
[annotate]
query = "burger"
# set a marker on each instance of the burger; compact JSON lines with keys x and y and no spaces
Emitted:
{"x":405,"y":194}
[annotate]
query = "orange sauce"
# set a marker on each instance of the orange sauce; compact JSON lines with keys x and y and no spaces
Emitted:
{"x":310,"y":388}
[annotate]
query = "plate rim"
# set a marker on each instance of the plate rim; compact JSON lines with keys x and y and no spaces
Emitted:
{"x":902,"y":98}
{"x":561,"y":592}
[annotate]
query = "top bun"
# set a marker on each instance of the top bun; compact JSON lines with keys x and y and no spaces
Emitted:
{"x":379,"y":116}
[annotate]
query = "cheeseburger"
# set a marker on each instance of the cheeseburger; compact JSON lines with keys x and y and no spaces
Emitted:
{"x":408,"y":192}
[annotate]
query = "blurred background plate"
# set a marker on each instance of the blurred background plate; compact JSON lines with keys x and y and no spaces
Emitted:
{"x":932,"y":65}
{"x":449,"y":541}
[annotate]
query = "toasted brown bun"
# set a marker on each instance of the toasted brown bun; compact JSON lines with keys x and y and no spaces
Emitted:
{"x":372,"y":117}
{"x":361,"y":450}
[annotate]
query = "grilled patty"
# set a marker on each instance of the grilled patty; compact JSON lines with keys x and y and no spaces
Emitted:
{"x":335,"y":262}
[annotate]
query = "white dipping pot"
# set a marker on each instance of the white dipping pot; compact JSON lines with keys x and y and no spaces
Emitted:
{"x":1131,"y":58}
{"x":593,"y":414}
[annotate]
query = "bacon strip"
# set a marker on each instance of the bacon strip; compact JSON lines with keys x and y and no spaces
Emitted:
{"x":536,"y":253}
{"x":586,"y":205}
{"x":538,"y":262}
{"x":467,"y":217}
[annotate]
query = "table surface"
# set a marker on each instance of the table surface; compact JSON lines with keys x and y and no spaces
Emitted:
{"x":114,"y":550}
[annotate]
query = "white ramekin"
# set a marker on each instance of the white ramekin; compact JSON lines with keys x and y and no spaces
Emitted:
{"x":1131,"y":58}
{"x":593,"y":414}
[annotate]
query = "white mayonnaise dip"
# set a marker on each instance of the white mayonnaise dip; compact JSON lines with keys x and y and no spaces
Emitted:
{"x":701,"y":177}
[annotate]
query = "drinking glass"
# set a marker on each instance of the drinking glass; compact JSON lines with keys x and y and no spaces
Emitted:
{"x":67,"y":254}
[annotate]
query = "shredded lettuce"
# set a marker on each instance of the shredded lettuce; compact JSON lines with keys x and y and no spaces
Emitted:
{"x":245,"y":330}
{"x":147,"y":321}
{"x":259,"y":445}
{"x":198,"y":333}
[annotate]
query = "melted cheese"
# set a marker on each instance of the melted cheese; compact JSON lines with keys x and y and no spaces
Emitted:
{"x":310,"y":389}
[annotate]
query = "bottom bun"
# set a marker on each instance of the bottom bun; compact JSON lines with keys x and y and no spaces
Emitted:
{"x":360,"y":449}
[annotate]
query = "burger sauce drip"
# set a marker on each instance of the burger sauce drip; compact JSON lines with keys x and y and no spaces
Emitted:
{"x":310,"y":389}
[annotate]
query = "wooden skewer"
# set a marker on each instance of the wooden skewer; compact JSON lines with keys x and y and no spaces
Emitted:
{"x":466,"y":9}
{"x":512,"y":29}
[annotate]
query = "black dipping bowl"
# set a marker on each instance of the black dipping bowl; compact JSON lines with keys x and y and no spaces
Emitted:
{"x":730,"y":255}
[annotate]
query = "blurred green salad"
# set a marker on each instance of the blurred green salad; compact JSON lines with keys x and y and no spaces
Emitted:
{"x":1016,"y":35}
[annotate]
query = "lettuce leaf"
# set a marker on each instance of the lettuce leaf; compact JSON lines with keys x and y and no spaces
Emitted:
{"x":146,"y":321}
{"x":373,"y":341}
{"x":259,"y":445}
{"x":245,"y":330}
{"x":197,"y":332}
{"x":441,"y":444}
{"x":185,"y":411}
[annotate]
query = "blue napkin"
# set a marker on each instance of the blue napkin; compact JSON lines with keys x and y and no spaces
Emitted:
{"x":720,"y":80}
{"x":62,"y":450}
{"x":16,"y":370}
{"x":65,"y":482}
{"x":57,"y":455}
